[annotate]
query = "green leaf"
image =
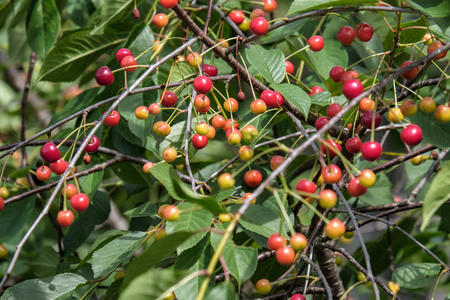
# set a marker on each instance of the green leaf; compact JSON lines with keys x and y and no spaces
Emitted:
{"x":116,"y":252}
{"x":192,"y":219}
{"x":295,"y":95}
{"x":434,"y":132}
{"x":144,"y":210}
{"x":89,"y":184}
{"x":269,"y":63}
{"x":138,"y":40}
{"x":113,"y":291}
{"x":259,"y":219}
{"x":72,"y":54}
{"x":416,"y":276}
{"x":438,"y":194}
{"x":153,"y":284}
{"x":241,"y":261}
{"x":438,"y":10}
{"x":193,"y":259}
{"x":412,"y":35}
{"x":181,"y":191}
{"x":158,"y":251}
{"x":58,"y":287}
{"x":84,"y":224}
{"x":15,"y":216}
{"x":43,"y":23}
{"x":304,"y":5}
{"x":380,"y":193}
{"x":224,"y":290}
{"x":111,"y":10}
{"x":45,"y":263}
{"x":332,"y":54}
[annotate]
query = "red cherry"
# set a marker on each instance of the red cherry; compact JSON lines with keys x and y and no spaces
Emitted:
{"x":269,"y":5}
{"x":121,"y":53}
{"x":331,"y":174}
{"x":154,"y":109}
{"x":315,"y":90}
{"x":199,"y":141}
{"x":349,"y":75}
{"x":435,"y":46}
{"x":50,"y":153}
{"x":59,"y":166}
{"x":335,"y":228}
{"x":112,"y":119}
{"x":275,"y":241}
{"x":306,"y":186}
{"x":43,"y":173}
{"x":231,"y":104}
{"x":93,"y":145}
{"x":320,"y":122}
{"x":202,"y":84}
{"x":104,"y":76}
{"x":298,"y":297}
{"x":411,"y":74}
{"x":365,"y":32}
{"x":353,"y":145}
{"x":331,"y":150}
{"x":442,"y":113}
{"x":79,"y":202}
{"x":258,"y":106}
{"x":218,"y":121}
{"x":201,"y":103}
{"x":257,"y":13}
{"x":259,"y":26}
{"x":316,"y":43}
{"x":234,"y":130}
{"x":237,"y":16}
{"x":336,"y":73}
{"x":171,"y":213}
{"x":252,"y":178}
{"x":411,"y":135}
{"x":289,"y":67}
{"x":366,"y":104}
{"x":355,"y":189}
{"x":128,"y":62}
{"x":2,"y":203}
{"x":65,"y":218}
{"x":352,"y":88}
{"x":285,"y":256}
{"x":334,"y":109}
{"x":70,"y":190}
{"x":276,"y":161}
{"x":298,"y":241}
{"x":168,"y":3}
{"x":327,"y":198}
{"x":366,"y":119}
{"x":230,"y":123}
{"x":346,"y":35}
{"x":270,"y":98}
{"x":280,"y":100}
{"x":211,"y":70}
{"x":371,"y":151}
{"x":168,"y":99}
{"x":160,"y":20}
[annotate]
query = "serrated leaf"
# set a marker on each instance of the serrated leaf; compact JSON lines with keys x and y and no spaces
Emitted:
{"x":193,"y":259}
{"x":304,"y":5}
{"x":437,"y":194}
{"x":43,"y":24}
{"x":332,"y":54}
{"x":138,"y":40}
{"x":72,"y":54}
{"x":58,"y":287}
{"x":158,"y":251}
{"x":380,"y":193}
{"x":144,"y":210}
{"x":259,"y":219}
{"x":434,"y":132}
{"x":294,"y":95}
{"x":14,"y":217}
{"x":110,"y":10}
{"x":181,"y":191}
{"x":84,"y":224}
{"x":192,"y":219}
{"x":116,"y":252}
{"x":269,"y":63}
{"x":153,"y":284}
{"x":224,"y":290}
{"x":416,"y":276}
{"x":241,"y":261}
